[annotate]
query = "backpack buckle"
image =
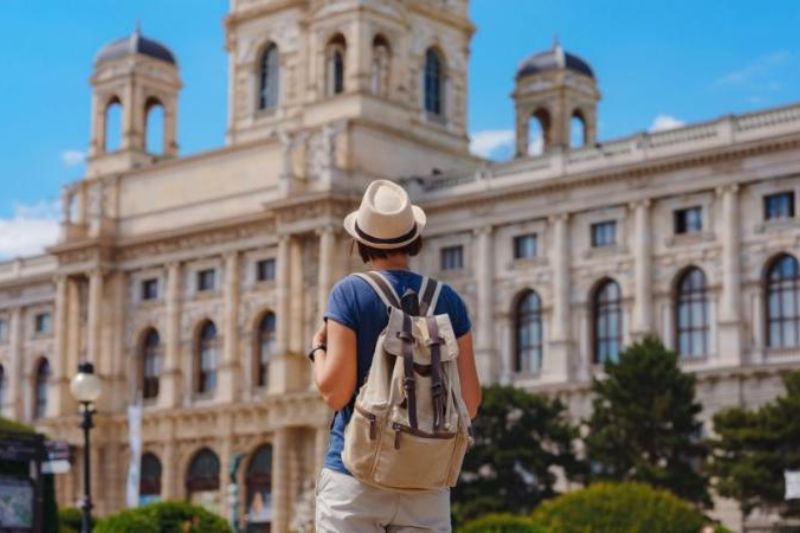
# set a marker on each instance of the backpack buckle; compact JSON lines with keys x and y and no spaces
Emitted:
{"x":434,"y":341}
{"x":405,"y":337}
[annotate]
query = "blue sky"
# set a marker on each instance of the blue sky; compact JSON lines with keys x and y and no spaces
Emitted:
{"x":659,"y":63}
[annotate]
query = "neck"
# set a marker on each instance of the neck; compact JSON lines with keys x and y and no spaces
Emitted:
{"x":393,"y":262}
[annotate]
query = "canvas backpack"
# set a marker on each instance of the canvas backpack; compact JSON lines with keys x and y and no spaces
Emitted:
{"x":410,"y":427}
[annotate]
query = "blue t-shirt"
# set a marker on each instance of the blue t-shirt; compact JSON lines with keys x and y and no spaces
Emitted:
{"x":353,"y":303}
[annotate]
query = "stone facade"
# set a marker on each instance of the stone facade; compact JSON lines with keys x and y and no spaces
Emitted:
{"x":228,"y":255}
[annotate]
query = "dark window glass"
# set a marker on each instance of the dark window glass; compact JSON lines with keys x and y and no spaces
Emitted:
{"x":692,"y":314}
{"x":434,"y":83}
{"x":452,"y":258}
{"x":266,"y":345}
{"x":268,"y":78}
{"x":40,"y":389}
{"x":689,"y":220}
{"x":265,"y":270}
{"x":525,"y":246}
{"x":42,"y":323}
{"x":203,"y":473}
{"x":3,"y":330}
{"x":207,"y":358}
{"x":150,"y":480}
{"x":2,"y":388}
{"x":206,"y":279}
{"x":604,"y":233}
{"x":151,"y":363}
{"x":779,"y":205}
{"x":607,"y":322}
{"x":258,"y":483}
{"x":150,"y":289}
{"x":335,"y":69}
{"x":529,"y":333}
{"x":783,"y":303}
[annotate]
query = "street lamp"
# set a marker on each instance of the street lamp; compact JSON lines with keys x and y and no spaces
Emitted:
{"x":85,"y":387}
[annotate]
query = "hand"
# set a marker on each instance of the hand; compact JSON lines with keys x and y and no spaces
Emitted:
{"x":321,"y":336}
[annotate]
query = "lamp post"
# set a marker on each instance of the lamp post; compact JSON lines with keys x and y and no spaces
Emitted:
{"x":85,"y":387}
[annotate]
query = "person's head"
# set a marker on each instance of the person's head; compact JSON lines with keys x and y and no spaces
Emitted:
{"x":386,"y":226}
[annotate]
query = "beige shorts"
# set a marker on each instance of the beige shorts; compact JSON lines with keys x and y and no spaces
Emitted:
{"x":346,"y":505}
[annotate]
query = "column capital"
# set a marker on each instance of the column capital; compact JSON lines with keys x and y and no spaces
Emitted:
{"x":172,"y":264}
{"x":483,"y":230}
{"x":558,"y":217}
{"x":642,"y":203}
{"x":727,"y":188}
{"x":327,"y":229}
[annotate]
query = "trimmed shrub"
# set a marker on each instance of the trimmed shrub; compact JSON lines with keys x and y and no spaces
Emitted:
{"x":69,"y":520}
{"x":501,"y":523}
{"x":616,"y":508}
{"x":164,"y":517}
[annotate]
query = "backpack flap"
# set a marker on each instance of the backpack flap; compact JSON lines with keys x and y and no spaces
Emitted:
{"x":393,"y":343}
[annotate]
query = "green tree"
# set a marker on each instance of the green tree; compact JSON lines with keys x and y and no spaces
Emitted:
{"x":644,"y":424}
{"x":754,"y":448}
{"x":519,"y":438}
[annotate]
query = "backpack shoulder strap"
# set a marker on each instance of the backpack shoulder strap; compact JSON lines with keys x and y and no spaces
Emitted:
{"x":382,"y":287}
{"x":429,"y":294}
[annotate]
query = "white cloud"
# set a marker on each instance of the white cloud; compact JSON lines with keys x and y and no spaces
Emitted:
{"x":536,"y":146}
{"x":29,"y":229}
{"x":72,"y":158}
{"x":489,"y":142}
{"x":665,"y":122}
{"x":752,"y":74}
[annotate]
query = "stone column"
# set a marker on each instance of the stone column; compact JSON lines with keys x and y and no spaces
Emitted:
{"x":327,"y":240}
{"x":729,"y":321}
{"x":282,"y":281}
{"x":170,"y":477}
{"x":643,"y":270}
{"x":171,"y":127}
{"x":14,"y":379}
{"x":94,"y":321}
{"x":59,"y":400}
{"x":484,"y":273}
{"x":321,"y":442}
{"x":281,"y":459}
{"x":296,"y":296}
{"x":229,"y":370}
{"x":555,"y":364}
{"x":170,"y":383}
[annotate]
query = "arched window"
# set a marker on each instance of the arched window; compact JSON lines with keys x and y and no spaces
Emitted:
{"x":783,"y":303}
{"x":577,"y":130}
{"x":258,"y":484}
{"x":381,"y":61}
{"x":206,"y":360}
{"x":528,"y":319}
{"x":154,"y":126}
{"x":113,"y":125}
{"x":150,"y":478}
{"x":265,"y":346}
{"x":538,"y":131}
{"x":607,"y":316}
{"x":40,"y":389}
{"x":434,"y":82}
{"x":692,"y":314}
{"x":202,"y":478}
{"x":150,"y":364}
{"x":268,"y":78}
{"x":335,"y":57}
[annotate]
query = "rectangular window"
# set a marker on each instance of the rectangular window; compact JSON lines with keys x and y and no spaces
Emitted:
{"x":265,"y":270}
{"x":150,"y":289}
{"x":525,"y":246}
{"x":779,"y":205}
{"x":452,"y":258}
{"x":42,"y":323}
{"x":689,"y":220}
{"x":206,"y":279}
{"x":604,"y":233}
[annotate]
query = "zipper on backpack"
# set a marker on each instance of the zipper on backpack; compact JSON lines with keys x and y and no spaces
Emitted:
{"x":373,"y":422}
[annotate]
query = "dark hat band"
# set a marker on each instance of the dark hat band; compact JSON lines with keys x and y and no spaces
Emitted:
{"x":395,"y":240}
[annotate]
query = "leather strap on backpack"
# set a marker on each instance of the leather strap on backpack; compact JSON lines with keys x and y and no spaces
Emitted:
{"x":429,"y":295}
{"x":437,"y":386}
{"x":409,"y":384}
{"x":382,"y":288}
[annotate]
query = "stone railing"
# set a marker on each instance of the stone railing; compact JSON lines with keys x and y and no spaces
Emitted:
{"x":27,"y":267}
{"x":641,"y":147}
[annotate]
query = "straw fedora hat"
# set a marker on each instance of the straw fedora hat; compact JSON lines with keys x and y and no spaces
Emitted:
{"x":386,"y":218}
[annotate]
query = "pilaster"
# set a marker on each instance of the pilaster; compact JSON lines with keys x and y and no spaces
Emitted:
{"x":730,"y":326}
{"x":555,"y":363}
{"x":14,"y":379}
{"x":643,"y":270}
{"x":229,"y":371}
{"x":281,"y":464}
{"x":485,"y":350}
{"x":59,"y":400}
{"x":169,"y":394}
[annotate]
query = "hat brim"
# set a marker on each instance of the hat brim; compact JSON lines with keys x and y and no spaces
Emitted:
{"x":419,"y":217}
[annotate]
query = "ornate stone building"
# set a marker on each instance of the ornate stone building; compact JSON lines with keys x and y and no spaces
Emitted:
{"x":194,"y":283}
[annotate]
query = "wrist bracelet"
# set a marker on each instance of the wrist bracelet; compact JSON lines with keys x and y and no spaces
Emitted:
{"x":314,"y":349}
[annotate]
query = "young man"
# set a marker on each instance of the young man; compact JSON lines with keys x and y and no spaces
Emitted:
{"x":387,"y":230}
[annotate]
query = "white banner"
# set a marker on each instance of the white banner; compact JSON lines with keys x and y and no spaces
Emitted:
{"x":135,"y":437}
{"x":792,"y":484}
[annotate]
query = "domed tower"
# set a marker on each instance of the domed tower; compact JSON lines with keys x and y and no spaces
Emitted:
{"x":135,"y":77}
{"x":556,"y":92}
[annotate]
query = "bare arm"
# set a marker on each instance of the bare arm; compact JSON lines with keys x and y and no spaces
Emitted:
{"x":335,"y":369}
{"x":468,"y":374}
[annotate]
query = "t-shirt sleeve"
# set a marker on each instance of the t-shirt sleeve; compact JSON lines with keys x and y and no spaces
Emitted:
{"x":457,"y":309}
{"x":342,"y":304}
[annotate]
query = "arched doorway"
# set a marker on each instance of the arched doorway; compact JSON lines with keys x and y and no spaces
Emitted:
{"x":258,"y":491}
{"x":202,"y":481}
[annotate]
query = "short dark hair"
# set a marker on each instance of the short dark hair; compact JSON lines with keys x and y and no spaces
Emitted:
{"x":368,"y":253}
